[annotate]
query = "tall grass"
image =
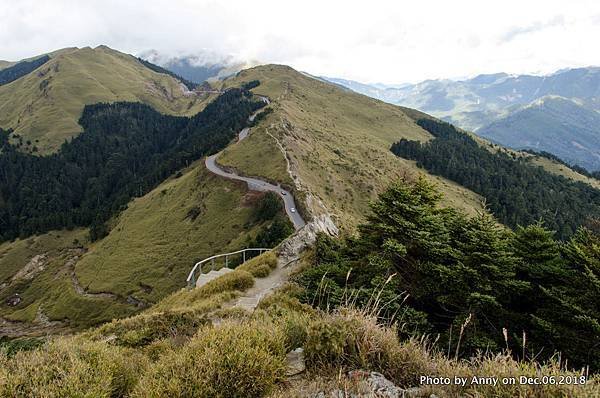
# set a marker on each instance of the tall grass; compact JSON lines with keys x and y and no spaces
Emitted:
{"x":70,"y":367}
{"x":232,"y":360}
{"x":176,"y":353}
{"x":260,"y":266}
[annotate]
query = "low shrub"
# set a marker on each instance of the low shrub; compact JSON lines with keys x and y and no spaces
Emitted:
{"x":281,"y":303}
{"x":329,"y":343}
{"x":232,"y":360}
{"x":239,"y":280}
{"x":158,"y":348}
{"x":192,"y":299}
{"x":350,"y":339}
{"x":261,"y":271}
{"x":143,"y":329}
{"x":260,"y":266}
{"x":70,"y":367}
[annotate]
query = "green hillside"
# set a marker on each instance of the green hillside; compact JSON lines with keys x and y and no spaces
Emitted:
{"x":331,"y":145}
{"x":155,"y":242}
{"x":147,"y":255}
{"x":435,"y":269}
{"x":44,"y":106}
{"x":337,"y":143}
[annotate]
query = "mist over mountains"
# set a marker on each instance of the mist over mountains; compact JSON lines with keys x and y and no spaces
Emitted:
{"x":197,"y":67}
{"x":556,"y":113}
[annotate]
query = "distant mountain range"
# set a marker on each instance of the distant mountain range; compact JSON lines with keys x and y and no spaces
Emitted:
{"x":197,"y":67}
{"x":557,"y":113}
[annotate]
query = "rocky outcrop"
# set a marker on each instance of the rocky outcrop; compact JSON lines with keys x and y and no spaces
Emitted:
{"x":295,"y":362}
{"x":34,"y":266}
{"x":291,"y":248}
{"x":373,"y":384}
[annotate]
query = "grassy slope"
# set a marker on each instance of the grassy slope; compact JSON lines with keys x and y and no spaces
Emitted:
{"x":176,"y":350}
{"x":153,"y":243}
{"x":258,"y":145}
{"x":15,"y":255}
{"x":560,"y":169}
{"x":338,"y":142}
{"x":76,"y":77}
{"x":50,"y":291}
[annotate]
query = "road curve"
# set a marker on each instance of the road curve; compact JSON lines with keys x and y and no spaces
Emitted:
{"x":257,"y":184}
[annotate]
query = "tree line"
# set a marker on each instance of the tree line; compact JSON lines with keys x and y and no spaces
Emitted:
{"x":517,"y":192}
{"x":125,"y":150}
{"x":159,"y":69}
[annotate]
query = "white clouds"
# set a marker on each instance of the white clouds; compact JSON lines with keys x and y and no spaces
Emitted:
{"x":392,"y":41}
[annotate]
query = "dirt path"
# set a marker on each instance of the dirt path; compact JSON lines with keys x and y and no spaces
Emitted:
{"x":70,"y":266}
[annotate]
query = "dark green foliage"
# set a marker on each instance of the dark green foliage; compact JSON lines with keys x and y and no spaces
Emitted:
{"x":250,"y":85}
{"x":126,"y":149}
{"x":454,"y":272}
{"x":11,"y":347}
{"x":277,"y":226}
{"x":516,"y":192}
{"x":275,"y":232}
{"x":159,"y":69}
{"x":261,"y":116}
{"x":268,"y":207}
{"x":21,"y":69}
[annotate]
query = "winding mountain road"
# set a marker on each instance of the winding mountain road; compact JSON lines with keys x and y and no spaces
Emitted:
{"x":258,"y":184}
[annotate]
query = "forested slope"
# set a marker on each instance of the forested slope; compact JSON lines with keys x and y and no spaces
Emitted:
{"x":517,"y":192}
{"x":20,"y":69}
{"x":126,"y":150}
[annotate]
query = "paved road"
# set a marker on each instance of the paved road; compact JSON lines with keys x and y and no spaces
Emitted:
{"x":260,"y":185}
{"x":257,"y":184}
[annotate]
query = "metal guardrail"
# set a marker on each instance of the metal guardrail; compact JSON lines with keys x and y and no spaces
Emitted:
{"x":191,"y":279}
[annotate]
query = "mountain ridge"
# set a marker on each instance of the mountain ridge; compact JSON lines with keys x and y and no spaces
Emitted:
{"x":476,"y":103}
{"x":50,"y":100}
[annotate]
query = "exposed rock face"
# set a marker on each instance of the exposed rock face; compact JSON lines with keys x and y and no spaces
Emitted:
{"x":295,"y":244}
{"x":295,"y":362}
{"x":13,"y":300}
{"x":378,"y":384}
{"x":373,"y":384}
{"x":35,"y":265}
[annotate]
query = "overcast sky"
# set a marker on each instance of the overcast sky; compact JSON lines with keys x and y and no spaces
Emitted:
{"x":372,"y":41}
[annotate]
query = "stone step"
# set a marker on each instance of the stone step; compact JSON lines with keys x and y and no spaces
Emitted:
{"x":209,"y":276}
{"x":247,"y":303}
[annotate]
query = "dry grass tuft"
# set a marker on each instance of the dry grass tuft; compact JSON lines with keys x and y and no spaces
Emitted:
{"x":232,"y":360}
{"x":70,"y":367}
{"x":260,"y":266}
{"x":143,"y":329}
